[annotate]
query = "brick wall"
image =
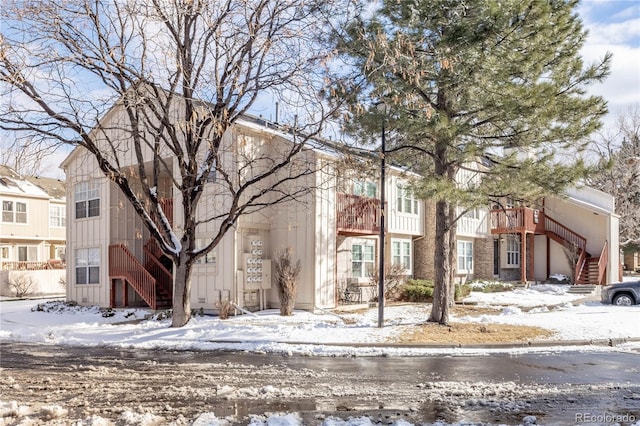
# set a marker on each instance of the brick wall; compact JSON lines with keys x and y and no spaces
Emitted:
{"x":483,"y":258}
{"x":423,"y":248}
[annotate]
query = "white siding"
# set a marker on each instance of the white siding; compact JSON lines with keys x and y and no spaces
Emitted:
{"x":400,"y":222}
{"x":87,"y":233}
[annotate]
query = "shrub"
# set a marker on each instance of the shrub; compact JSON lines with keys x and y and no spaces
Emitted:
{"x":461,"y":291}
{"x":490,"y":286}
{"x":286,"y":280}
{"x":225,"y":307}
{"x":394,"y":278}
{"x":21,"y":284}
{"x":417,"y":291}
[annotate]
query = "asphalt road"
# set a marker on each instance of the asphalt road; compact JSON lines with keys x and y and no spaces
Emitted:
{"x":556,"y":388}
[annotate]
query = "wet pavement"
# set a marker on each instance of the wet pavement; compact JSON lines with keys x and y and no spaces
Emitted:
{"x":556,"y":388}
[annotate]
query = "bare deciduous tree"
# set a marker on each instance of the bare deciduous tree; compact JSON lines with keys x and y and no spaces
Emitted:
{"x":26,"y":157}
{"x":619,"y":158}
{"x":179,"y":73}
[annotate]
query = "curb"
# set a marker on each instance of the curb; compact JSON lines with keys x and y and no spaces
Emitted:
{"x":611,"y":342}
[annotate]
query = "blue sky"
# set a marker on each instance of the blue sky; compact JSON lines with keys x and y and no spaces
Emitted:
{"x":614,"y":26}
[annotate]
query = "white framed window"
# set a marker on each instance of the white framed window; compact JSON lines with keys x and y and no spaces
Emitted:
{"x":27,"y":253}
{"x":401,"y":253}
{"x":57,"y":216}
{"x":362,"y":260}
{"x":465,"y":256}
{"x":14,"y":212}
{"x":473,"y":213}
{"x":365,"y":188}
{"x":87,"y":199}
{"x":513,"y":250}
{"x":5,"y":253}
{"x":212,"y":174}
{"x":61,"y":253}
{"x":207,"y":258}
{"x":405,"y":201}
{"x":88,"y":266}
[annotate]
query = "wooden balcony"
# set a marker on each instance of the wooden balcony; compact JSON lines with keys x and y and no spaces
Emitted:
{"x":517,"y":220}
{"x":357,"y":215}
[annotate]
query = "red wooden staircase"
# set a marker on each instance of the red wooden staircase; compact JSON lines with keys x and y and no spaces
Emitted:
{"x":153,"y":283}
{"x":589,"y":269}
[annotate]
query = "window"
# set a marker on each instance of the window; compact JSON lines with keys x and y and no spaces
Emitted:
{"x":4,"y":252}
{"x":211,"y":175}
{"x":465,"y":256}
{"x":57,"y":216}
{"x":401,"y":253}
{"x":207,"y":258}
{"x":61,"y":253}
{"x":473,"y":213}
{"x":513,"y":250}
{"x":362,"y":260}
{"x":405,"y":201}
{"x":365,"y":188}
{"x":14,"y":212}
{"x":88,"y":266}
{"x":87,"y":198}
{"x":27,"y":253}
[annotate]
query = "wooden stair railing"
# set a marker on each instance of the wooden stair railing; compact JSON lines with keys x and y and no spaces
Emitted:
{"x":166,"y":204}
{"x":562,"y":234}
{"x":603,"y":262}
{"x":164,"y":278}
{"x":124,"y":265}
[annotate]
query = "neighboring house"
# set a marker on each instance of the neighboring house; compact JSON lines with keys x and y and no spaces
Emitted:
{"x":32,"y":225}
{"x":333,"y":229}
{"x":632,"y":261}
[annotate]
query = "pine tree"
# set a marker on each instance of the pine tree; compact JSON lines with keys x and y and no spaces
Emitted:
{"x":496,"y":87}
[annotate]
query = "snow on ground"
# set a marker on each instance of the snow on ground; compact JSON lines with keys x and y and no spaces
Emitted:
{"x":322,"y":333}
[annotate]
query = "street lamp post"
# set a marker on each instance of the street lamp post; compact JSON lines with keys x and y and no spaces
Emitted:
{"x":381,"y":255}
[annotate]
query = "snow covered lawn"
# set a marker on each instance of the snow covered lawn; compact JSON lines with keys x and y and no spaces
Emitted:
{"x":324,"y":333}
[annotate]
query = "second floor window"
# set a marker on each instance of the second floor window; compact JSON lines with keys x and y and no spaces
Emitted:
{"x":57,"y":216}
{"x":405,"y":201}
{"x":364,"y":188}
{"x":14,"y":212}
{"x":87,"y":199}
{"x":362,"y":260}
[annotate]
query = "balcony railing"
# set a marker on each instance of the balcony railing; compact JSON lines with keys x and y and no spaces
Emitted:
{"x":516,"y":220}
{"x":357,"y":215}
{"x":11,"y":265}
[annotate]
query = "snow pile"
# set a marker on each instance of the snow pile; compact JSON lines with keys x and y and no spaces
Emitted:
{"x":322,"y":333}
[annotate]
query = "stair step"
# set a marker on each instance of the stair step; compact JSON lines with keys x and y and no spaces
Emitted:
{"x":582,"y":289}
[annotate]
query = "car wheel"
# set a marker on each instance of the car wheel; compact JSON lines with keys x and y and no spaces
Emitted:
{"x":623,"y":300}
